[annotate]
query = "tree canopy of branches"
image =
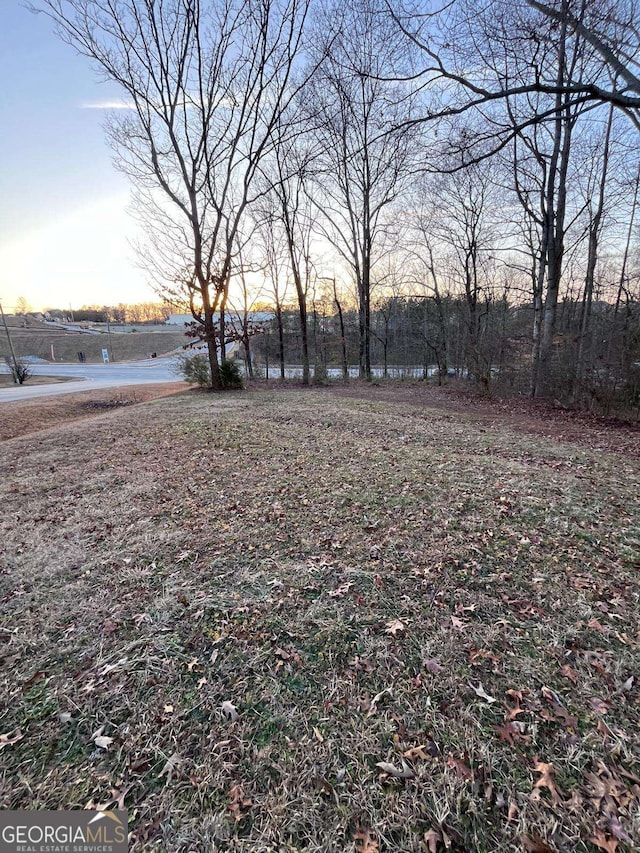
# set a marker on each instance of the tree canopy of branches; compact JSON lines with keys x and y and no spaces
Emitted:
{"x":465,"y":176}
{"x":205,"y":83}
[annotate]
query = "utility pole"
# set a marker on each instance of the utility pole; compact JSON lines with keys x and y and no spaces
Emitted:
{"x":110,"y":342}
{"x":16,"y":370}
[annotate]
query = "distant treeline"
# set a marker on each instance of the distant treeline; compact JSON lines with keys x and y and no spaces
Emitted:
{"x":140,"y":312}
{"x":491,"y":346}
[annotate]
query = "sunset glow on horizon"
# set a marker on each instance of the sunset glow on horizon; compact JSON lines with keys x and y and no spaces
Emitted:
{"x":65,"y":233}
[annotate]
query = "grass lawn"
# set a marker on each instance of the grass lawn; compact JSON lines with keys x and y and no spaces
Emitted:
{"x":6,"y":381}
{"x":296,"y":621}
{"x":37,"y":340}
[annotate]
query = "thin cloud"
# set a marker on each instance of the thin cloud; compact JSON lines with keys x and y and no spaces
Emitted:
{"x":109,"y":105}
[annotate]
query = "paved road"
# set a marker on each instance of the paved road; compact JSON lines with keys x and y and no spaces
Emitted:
{"x":91,"y":377}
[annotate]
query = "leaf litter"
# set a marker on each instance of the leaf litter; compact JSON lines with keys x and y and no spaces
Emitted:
{"x":351,"y":629}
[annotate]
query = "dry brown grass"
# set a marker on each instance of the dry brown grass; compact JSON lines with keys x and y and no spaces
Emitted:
{"x":6,"y":381}
{"x":37,"y":340}
{"x":348,"y":574}
{"x":25,"y":417}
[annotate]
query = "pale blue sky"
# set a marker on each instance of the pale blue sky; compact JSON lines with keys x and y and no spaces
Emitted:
{"x":63,"y":224}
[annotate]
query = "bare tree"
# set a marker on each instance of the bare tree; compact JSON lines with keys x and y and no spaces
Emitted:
{"x":290,"y":211}
{"x":206,"y":83}
{"x":608,"y":27}
{"x":361,"y":161}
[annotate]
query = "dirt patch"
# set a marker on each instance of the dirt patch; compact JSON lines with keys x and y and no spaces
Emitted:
{"x":24,"y":417}
{"x":520,"y":414}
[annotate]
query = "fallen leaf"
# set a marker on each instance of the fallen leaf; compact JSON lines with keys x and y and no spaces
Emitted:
{"x":192,"y":663}
{"x":600,"y":840}
{"x":535,"y":845}
{"x":116,"y":799}
{"x":395,"y":627}
{"x":365,"y":840}
{"x":230,"y":711}
{"x":512,"y":732}
{"x":600,"y":706}
{"x":64,"y":717}
{"x":546,"y":780}
{"x":201,"y":682}
{"x":318,"y":734}
{"x":417,"y":753}
{"x":458,"y":623}
{"x":618,"y":830}
{"x":512,"y":813}
{"x":103,"y":742}
{"x":627,"y":686}
{"x":432,"y":838}
{"x":433,"y":666}
{"x":481,"y":692}
{"x":10,"y":738}
{"x":567,"y":672}
{"x":460,"y":767}
{"x":404,"y":773}
{"x":170,"y":767}
{"x":513,"y":713}
{"x":373,"y":705}
{"x":477,"y":656}
{"x":239,"y":805}
{"x":35,"y":677}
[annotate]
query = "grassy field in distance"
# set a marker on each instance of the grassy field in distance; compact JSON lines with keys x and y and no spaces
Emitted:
{"x":37,"y":338}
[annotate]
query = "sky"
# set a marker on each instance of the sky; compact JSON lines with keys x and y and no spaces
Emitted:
{"x":64,"y":227}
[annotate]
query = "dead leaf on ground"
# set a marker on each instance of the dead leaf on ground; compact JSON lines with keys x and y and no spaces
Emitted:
{"x":239,"y":805}
{"x":230,"y":711}
{"x":421,"y":753}
{"x":395,"y":627}
{"x":477,"y":656}
{"x":170,"y":767}
{"x":462,"y":769}
{"x":31,"y":681}
{"x":618,"y":831}
{"x":600,"y":706}
{"x":117,"y":798}
{"x":398,"y":773}
{"x":10,"y":738}
{"x":567,"y":672}
{"x":546,"y":780}
{"x":433,"y":666}
{"x":512,"y":732}
{"x":100,"y":740}
{"x":377,"y":699}
{"x":536,"y":845}
{"x":600,"y":840}
{"x":432,"y":838}
{"x":482,"y":693}
{"x":366,"y":840}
